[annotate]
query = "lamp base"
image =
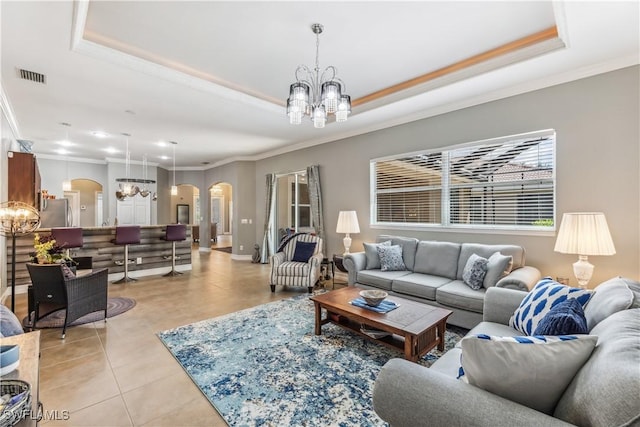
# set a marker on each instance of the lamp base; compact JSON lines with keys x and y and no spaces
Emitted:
{"x":347,"y":244}
{"x":583,"y":271}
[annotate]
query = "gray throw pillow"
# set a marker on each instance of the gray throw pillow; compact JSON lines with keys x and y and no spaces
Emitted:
{"x":608,"y":298}
{"x":498,"y":266}
{"x":474,"y":271}
{"x":9,"y":323}
{"x":371,"y":253}
{"x":391,"y":258}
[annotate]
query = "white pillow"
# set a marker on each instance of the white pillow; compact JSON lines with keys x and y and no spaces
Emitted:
{"x":542,"y":298}
{"x":533,"y":371}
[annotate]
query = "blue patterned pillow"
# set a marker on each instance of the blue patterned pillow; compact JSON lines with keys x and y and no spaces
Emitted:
{"x":303,"y":251}
{"x":542,"y":298}
{"x":533,"y":370}
{"x":566,"y":318}
{"x":391,"y":258}
{"x":474,"y":271}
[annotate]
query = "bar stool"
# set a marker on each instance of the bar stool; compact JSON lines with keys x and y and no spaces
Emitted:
{"x":67,"y":237}
{"x":175,"y":233}
{"x":126,"y":235}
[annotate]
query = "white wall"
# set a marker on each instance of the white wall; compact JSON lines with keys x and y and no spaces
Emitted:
{"x":598,"y":166}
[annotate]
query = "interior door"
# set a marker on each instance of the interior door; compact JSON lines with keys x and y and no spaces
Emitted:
{"x":217,"y":213}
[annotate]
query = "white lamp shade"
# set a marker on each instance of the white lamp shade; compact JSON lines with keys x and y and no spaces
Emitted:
{"x":584,"y":233}
{"x":348,"y":222}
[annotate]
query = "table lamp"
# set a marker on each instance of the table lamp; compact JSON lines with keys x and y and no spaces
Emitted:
{"x":17,"y":218}
{"x":347,"y":223}
{"x":584,"y":234}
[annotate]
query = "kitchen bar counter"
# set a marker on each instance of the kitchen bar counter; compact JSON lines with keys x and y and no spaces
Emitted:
{"x":155,"y":253}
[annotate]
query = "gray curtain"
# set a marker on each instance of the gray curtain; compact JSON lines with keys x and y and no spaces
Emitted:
{"x":315,"y":198}
{"x":269,"y":218}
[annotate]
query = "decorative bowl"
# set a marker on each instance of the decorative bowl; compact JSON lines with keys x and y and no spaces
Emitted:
{"x":373,"y":297}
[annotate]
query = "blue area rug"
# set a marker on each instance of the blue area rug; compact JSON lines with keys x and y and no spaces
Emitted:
{"x":264,"y":366}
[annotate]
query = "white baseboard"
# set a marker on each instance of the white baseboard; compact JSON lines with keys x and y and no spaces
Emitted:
{"x":241,"y":257}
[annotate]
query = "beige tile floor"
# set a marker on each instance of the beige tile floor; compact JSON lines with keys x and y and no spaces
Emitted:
{"x":118,"y":373}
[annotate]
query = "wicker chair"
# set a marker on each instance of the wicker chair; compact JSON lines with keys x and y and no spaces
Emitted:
{"x":51,"y":291}
{"x":287,"y":272}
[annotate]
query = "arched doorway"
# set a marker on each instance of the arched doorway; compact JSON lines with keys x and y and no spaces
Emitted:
{"x":85,"y":202}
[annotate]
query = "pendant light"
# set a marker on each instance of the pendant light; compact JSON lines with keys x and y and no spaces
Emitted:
{"x":174,"y":188}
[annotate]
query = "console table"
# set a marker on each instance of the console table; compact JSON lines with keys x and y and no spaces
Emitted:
{"x":28,"y":370}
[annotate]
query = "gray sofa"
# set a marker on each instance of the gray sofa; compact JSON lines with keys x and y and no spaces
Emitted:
{"x":604,"y":391}
{"x":434,"y":274}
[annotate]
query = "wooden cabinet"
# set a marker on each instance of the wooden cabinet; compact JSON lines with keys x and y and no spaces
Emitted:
{"x":23,"y":178}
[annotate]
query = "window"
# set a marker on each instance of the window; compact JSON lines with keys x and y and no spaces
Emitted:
{"x":504,"y":183}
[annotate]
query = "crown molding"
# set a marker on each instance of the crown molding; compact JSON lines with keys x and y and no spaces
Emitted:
{"x":7,"y":110}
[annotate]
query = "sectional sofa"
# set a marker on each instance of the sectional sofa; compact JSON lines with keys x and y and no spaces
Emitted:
{"x":597,"y":388}
{"x":433,"y":274}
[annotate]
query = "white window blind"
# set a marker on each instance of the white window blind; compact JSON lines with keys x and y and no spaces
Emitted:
{"x":503,"y":183}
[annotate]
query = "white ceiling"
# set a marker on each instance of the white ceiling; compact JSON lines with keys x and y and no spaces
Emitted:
{"x":214,"y":76}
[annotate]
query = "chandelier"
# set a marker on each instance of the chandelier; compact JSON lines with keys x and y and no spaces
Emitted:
{"x":317,"y":95}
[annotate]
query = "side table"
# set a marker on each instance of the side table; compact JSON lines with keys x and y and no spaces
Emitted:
{"x":29,"y":371}
{"x":337,"y":262}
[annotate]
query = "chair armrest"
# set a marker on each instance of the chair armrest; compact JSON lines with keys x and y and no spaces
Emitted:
{"x":86,"y":294}
{"x":277,"y":259}
{"x":523,"y":279}
{"x":406,"y":394}
{"x":354,"y":262}
{"x":316,"y":259}
{"x":500,"y":303}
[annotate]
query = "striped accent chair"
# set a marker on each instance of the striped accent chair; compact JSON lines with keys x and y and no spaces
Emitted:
{"x":286,"y":272}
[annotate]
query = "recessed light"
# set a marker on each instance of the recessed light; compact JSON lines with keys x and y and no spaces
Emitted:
{"x":99,"y":134}
{"x":65,"y":143}
{"x":111,"y":150}
{"x":161,"y":143}
{"x":165,"y":157}
{"x":62,"y":151}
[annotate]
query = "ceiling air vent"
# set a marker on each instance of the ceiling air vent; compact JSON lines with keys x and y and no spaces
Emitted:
{"x":32,"y":76}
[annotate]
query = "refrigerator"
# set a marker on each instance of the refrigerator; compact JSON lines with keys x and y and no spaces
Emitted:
{"x":55,"y":213}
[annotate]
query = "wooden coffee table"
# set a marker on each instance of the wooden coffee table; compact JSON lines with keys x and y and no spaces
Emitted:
{"x":416,"y":328}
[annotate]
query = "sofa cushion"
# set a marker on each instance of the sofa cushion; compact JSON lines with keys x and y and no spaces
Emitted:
{"x":498,"y":266}
{"x":474,"y":272}
{"x":605,"y":391}
{"x":533,"y":371}
{"x":371,"y":252}
{"x":419,"y":285}
{"x":457,"y":294}
{"x":408,"y":244}
{"x":293,"y":269}
{"x":566,"y":318}
{"x":542,"y":298}
{"x":517,"y":252}
{"x":379,"y":279}
{"x":492,"y":328}
{"x":437,"y":258}
{"x":391,"y":258}
{"x":609,"y":297}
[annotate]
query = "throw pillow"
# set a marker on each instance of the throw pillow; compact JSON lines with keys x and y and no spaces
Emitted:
{"x":391,"y":258}
{"x":545,"y":295}
{"x":9,"y":323}
{"x":474,"y":271}
{"x":566,"y":318}
{"x":533,"y":371}
{"x":303,"y":251}
{"x":371,"y":253}
{"x":608,"y":298}
{"x":498,"y":266}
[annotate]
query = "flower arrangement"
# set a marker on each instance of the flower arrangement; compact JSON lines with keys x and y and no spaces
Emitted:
{"x":47,"y":251}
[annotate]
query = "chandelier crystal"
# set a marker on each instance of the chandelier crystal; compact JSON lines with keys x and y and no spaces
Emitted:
{"x":317,"y":94}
